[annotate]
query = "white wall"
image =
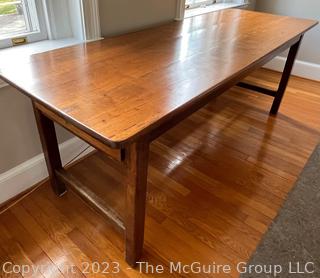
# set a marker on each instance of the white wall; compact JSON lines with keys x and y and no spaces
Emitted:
{"x":19,"y":140}
{"x":252,"y":4}
{"x":310,"y":51}
{"x":120,"y":16}
{"x":310,"y":48}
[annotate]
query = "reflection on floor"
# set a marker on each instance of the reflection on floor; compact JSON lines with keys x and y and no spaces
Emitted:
{"x":215,"y":183}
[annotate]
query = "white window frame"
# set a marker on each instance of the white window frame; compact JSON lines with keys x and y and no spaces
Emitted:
{"x":35,"y":21}
{"x":82,"y":21}
{"x":181,"y":6}
{"x":199,"y":4}
{"x":91,"y":18}
{"x":79,"y":22}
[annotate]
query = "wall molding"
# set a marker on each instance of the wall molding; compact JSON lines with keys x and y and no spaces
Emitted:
{"x":33,"y":171}
{"x":301,"y":68}
{"x":181,"y":4}
{"x":91,"y":19}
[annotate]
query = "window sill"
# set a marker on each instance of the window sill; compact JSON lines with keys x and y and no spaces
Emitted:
{"x":211,"y":8}
{"x":27,"y":50}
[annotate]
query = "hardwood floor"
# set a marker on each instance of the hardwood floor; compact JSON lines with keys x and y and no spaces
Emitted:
{"x":215,"y":183}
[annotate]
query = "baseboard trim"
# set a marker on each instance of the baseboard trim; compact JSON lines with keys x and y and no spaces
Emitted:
{"x":3,"y":84}
{"x":9,"y":203}
{"x":27,"y":174}
{"x":301,"y":68}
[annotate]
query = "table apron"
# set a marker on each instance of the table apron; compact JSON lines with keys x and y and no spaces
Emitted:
{"x":116,"y":154}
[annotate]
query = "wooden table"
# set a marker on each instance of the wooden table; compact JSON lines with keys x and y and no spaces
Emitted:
{"x":121,"y":93}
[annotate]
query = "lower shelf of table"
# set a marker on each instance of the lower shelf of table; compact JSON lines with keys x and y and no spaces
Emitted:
{"x":99,"y":182}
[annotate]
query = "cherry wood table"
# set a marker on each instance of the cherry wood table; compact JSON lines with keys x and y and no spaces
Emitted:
{"x":121,"y":93}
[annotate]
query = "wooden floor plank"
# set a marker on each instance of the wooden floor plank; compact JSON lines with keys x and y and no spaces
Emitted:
{"x":12,"y":246}
{"x":48,"y":245}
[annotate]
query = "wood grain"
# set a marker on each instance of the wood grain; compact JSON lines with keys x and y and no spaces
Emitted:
{"x":215,"y":183}
{"x":137,"y":159}
{"x":127,"y":86}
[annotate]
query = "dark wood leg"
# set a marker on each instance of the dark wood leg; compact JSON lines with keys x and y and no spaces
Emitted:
{"x":277,"y":94}
{"x":50,"y":149}
{"x":136,"y":159}
{"x":285,"y":77}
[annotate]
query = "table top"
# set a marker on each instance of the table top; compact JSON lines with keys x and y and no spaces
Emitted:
{"x":126,"y":86}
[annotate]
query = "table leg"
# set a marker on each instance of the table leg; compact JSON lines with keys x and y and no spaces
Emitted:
{"x":50,"y":149}
{"x":136,"y":159}
{"x":285,"y":77}
{"x":277,"y":94}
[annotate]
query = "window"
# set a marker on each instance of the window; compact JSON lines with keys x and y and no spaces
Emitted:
{"x":15,"y":18}
{"x":189,"y":8}
{"x":190,"y":4}
{"x":21,"y":18}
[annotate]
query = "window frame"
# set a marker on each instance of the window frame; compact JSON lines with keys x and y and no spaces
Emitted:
{"x":35,"y":22}
{"x":181,"y":7}
{"x":199,"y":4}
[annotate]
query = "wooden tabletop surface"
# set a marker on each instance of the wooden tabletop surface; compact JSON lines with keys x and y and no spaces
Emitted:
{"x":122,"y":87}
